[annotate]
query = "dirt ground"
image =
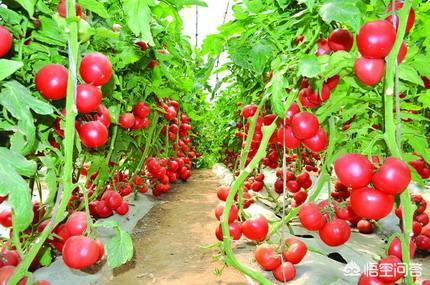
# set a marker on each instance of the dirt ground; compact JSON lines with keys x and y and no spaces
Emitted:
{"x":169,"y":240}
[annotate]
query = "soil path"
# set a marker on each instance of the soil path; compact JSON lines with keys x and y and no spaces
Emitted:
{"x":169,"y":240}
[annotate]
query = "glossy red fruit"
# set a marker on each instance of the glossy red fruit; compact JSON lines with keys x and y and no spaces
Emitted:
{"x":365,"y":227}
{"x":371,"y":204}
{"x":256,"y":228}
{"x":267,"y":258}
{"x":103,"y":115}
{"x":285,"y":272}
{"x":93,"y":134}
{"x":113,"y":199}
{"x":376,"y":39}
{"x":235,"y":230}
{"x":80,"y":252}
{"x":353,"y":170}
{"x":292,"y":110}
{"x":411,"y":18}
{"x":310,"y":217}
{"x":304,"y":125}
{"x":76,"y":224}
{"x":222,"y":192}
{"x":370,"y":280}
{"x":234,"y":211}
{"x":51,"y":81}
{"x":369,"y":71}
{"x":335,"y":232}
{"x":395,"y":248}
{"x":296,"y":250}
{"x":6,"y":40}
{"x":6,"y":218}
{"x":332,"y":82}
{"x":142,"y":45}
{"x":141,"y":110}
{"x":249,"y":111}
{"x":127,"y":120}
{"x":393,"y":177}
{"x":318,"y":142}
{"x":340,"y":39}
{"x":96,"y":69}
{"x":323,"y":47}
{"x":388,"y":269}
{"x":402,"y":52}
{"x":293,"y":186}
{"x":286,"y":137}
{"x":88,"y":98}
{"x":123,"y":208}
{"x":423,"y":242}
{"x":9,"y":257}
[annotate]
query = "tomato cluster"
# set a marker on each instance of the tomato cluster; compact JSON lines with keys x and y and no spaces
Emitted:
{"x":297,"y":186}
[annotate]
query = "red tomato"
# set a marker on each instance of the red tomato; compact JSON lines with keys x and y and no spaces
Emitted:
{"x":393,"y":177}
{"x":286,"y":137}
{"x":113,"y":199}
{"x":402,"y":52}
{"x":249,"y":111}
{"x":96,"y":69}
{"x":304,"y":125}
{"x":423,"y":219}
{"x":61,"y":9}
{"x":267,"y":258}
{"x":285,"y":272}
{"x":88,"y":98}
{"x":234,"y":211}
{"x":141,"y":110}
{"x":93,"y":134}
{"x":353,"y":170}
{"x":423,"y":242}
{"x":340,"y":39}
{"x":376,"y":39}
{"x":310,"y":217}
{"x":332,"y":82}
{"x":235,"y":230}
{"x":367,"y":280}
{"x":369,"y":71}
{"x":80,"y":252}
{"x":76,"y":224}
{"x":296,"y":250}
{"x":256,"y":228}
{"x":127,"y":120}
{"x":51,"y":81}
{"x":388,"y":269}
{"x":309,"y":98}
{"x":292,"y":110}
{"x":293,"y":186}
{"x":323,"y":47}
{"x":298,"y":40}
{"x":5,"y":41}
{"x":142,"y":45}
{"x":365,"y":227}
{"x":123,"y":208}
{"x":300,"y":197}
{"x":318,"y":142}
{"x":335,"y":233}
{"x":257,"y":186}
{"x":395,"y":248}
{"x":9,"y":257}
{"x":6,"y":218}
{"x":411,"y":18}
{"x":371,"y":204}
{"x":426,"y":81}
{"x":103,"y":115}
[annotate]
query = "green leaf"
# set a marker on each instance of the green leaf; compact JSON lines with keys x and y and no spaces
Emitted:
{"x":50,"y":32}
{"x":95,"y":6}
{"x":23,"y":166}
{"x":425,"y":99}
{"x":8,"y":67}
{"x":341,"y":11}
{"x":46,"y":256}
{"x":260,"y":55}
{"x":138,"y":18}
{"x":10,"y":16}
{"x":421,"y":63}
{"x":28,"y":5}
{"x":277,"y":89}
{"x":18,"y":192}
{"x":309,"y":66}
{"x":408,"y":73}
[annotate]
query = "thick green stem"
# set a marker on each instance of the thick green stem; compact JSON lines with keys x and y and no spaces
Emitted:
{"x":63,"y":197}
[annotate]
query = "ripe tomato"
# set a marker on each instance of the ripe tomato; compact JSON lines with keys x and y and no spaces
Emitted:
{"x":80,"y":252}
{"x":304,"y":125}
{"x":353,"y":170}
{"x":310,"y":217}
{"x":402,"y":53}
{"x":62,"y":11}
{"x":395,"y":248}
{"x":93,"y":134}
{"x":256,"y":228}
{"x":76,"y":224}
{"x":88,"y":98}
{"x":309,"y":98}
{"x":123,"y":208}
{"x":6,"y":218}
{"x":127,"y":120}
{"x":393,"y":177}
{"x":332,"y":82}
{"x":300,"y":197}
{"x":113,"y":199}
{"x":423,"y":242}
{"x":285,"y":272}
{"x":96,"y":69}
{"x":369,"y":71}
{"x":411,"y":18}
{"x":142,"y":45}
{"x":51,"y":81}
{"x":103,"y":115}
{"x":292,"y":110}
{"x":267,"y":258}
{"x":376,"y":39}
{"x":249,"y":111}
{"x":293,"y":186}
{"x":340,"y":39}
{"x":296,"y":250}
{"x":235,"y":230}
{"x":234,"y":211}
{"x":286,"y":137}
{"x":371,"y":204}
{"x":388,"y":269}
{"x":323,"y":47}
{"x":318,"y":142}
{"x":335,"y":232}
{"x":368,"y":280}
{"x":141,"y":110}
{"x":365,"y":226}
{"x":9,"y":257}
{"x":5,"y":41}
